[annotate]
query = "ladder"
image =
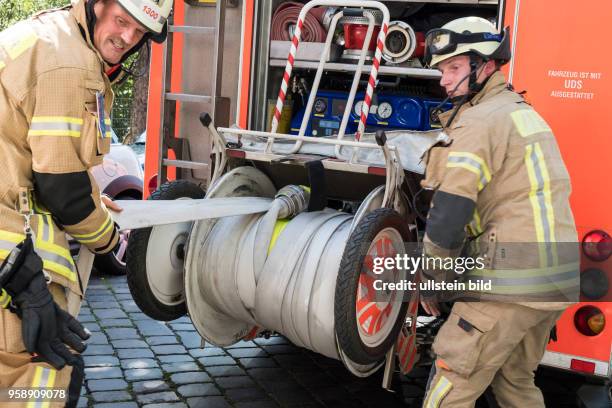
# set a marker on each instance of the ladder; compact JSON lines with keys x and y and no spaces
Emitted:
{"x":167,"y":139}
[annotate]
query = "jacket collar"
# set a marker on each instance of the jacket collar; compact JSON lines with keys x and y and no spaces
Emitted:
{"x":495,"y":85}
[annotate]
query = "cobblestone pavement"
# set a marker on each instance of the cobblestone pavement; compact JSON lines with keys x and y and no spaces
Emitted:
{"x":134,"y":361}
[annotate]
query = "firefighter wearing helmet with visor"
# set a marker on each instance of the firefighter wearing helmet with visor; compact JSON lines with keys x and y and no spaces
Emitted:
{"x":501,"y":193}
{"x":56,"y":71}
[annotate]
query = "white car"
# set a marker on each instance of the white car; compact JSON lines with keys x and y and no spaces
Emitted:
{"x":120,"y":176}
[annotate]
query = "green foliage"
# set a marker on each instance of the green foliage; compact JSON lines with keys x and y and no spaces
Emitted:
{"x":12,"y":11}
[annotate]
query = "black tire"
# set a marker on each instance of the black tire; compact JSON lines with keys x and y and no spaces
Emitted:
{"x":137,"y":256}
{"x":110,"y":263}
{"x":347,"y":283}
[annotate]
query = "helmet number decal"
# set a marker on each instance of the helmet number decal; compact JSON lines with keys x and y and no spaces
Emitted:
{"x":150,"y":12}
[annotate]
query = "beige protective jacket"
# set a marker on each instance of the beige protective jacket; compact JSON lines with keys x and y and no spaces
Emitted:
{"x":502,"y":193}
{"x":50,"y":76}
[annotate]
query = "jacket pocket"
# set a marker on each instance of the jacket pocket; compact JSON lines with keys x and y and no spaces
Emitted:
{"x":460,"y":340}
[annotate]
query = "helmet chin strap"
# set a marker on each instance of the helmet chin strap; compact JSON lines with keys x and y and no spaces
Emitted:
{"x":473,"y":88}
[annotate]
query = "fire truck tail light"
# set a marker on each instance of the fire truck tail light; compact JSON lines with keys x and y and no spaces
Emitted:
{"x":589,"y":320}
{"x":582,"y":366}
{"x":594,"y":283}
{"x":597,"y":245}
{"x":152,"y":184}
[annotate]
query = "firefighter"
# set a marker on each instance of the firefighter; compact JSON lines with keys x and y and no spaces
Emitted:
{"x":56,"y":71}
{"x":500,"y":191}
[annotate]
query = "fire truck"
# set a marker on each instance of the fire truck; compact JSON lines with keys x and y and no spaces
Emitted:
{"x":229,"y":59}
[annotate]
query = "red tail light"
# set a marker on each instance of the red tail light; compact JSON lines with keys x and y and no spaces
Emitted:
{"x":152,"y":184}
{"x":597,"y":245}
{"x":589,"y":320}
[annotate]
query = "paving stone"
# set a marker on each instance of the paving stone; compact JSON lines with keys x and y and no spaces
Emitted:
{"x":124,"y":296}
{"x":86,"y":318}
{"x":97,"y":373}
{"x":175,"y":358}
{"x":116,"y":323}
{"x":235,"y":382}
{"x":129,"y":344}
{"x":129,"y":306}
{"x":166,"y":396}
{"x":167,"y":405}
{"x":190,"y":378}
{"x":208,"y":402}
{"x":117,"y":405}
{"x":257,"y":362}
{"x":140,"y":317}
{"x":97,"y":338}
{"x":139,"y":363}
{"x":143,"y":374}
{"x":94,"y":349}
{"x":92,"y":326}
{"x":242,"y":344}
{"x":172,"y":349}
{"x":83,"y":402}
{"x":245,"y":394}
{"x":207,"y":352}
{"x":106,"y":385}
{"x":111,"y":396}
{"x":198,"y":390}
{"x":135,"y":353}
{"x":293,"y":360}
{"x":180,"y":367}
{"x":110,"y":314}
{"x":153,"y":328}
{"x":100,"y":298}
{"x":96,"y":306}
{"x":270,"y":341}
{"x":225,"y":371}
{"x":247,"y":352}
{"x":190,"y":339}
{"x":160,"y":340}
{"x":216,"y":361}
{"x":122,"y":333}
{"x":182,"y":326}
{"x":142,"y":387}
{"x":121,"y":289}
{"x":100,"y":361}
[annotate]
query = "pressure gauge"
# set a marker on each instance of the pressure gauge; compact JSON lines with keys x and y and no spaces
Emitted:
{"x":385,"y":110}
{"x":320,"y":106}
{"x":357,"y":108}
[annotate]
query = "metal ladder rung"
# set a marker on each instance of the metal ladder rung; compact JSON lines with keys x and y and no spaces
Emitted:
{"x":182,"y":97}
{"x":184,"y":164}
{"x":191,"y":29}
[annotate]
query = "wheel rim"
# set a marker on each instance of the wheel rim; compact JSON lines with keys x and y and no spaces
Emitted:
{"x":376,"y":311}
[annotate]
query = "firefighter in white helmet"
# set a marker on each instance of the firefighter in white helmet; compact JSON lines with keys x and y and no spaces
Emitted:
{"x":56,"y":71}
{"x":501,"y":194}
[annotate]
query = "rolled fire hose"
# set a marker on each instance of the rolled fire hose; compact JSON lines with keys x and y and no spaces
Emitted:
{"x":285,"y":17}
{"x":288,"y":290}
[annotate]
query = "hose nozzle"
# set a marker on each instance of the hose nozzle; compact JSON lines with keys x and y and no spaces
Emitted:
{"x":293,"y":200}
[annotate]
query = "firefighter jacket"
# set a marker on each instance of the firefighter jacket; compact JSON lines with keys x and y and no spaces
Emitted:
{"x":501,"y":193}
{"x":52,"y":132}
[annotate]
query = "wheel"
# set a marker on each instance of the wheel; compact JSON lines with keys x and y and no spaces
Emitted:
{"x":367,"y":322}
{"x":155,"y":259}
{"x":113,"y":262}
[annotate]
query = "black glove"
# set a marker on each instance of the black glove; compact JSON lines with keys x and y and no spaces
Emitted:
{"x":44,"y":326}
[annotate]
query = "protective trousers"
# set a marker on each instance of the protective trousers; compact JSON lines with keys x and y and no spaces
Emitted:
{"x":489,"y":343}
{"x":19,"y":371}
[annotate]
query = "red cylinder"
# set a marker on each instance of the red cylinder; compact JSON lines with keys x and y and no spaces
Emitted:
{"x":419,"y":50}
{"x":354,"y":36}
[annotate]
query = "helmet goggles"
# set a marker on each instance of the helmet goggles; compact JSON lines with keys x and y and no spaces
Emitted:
{"x":440,"y":41}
